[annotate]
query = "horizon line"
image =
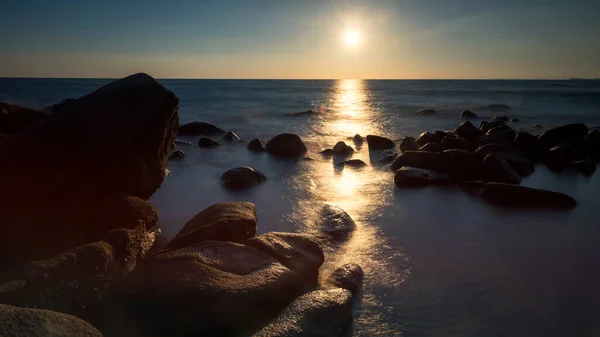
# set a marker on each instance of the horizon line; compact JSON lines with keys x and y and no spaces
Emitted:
{"x":309,"y":79}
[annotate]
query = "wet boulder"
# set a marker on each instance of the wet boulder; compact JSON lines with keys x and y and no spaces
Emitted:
{"x":335,"y":223}
{"x":485,"y":150}
{"x":177,"y":155}
{"x":525,"y":197}
{"x":16,"y":321}
{"x":408,"y":144}
{"x":497,"y":169}
{"x":593,"y":137}
{"x":256,"y":145}
{"x":468,"y":114}
{"x":241,"y":178}
{"x":528,"y":145}
{"x":200,"y":128}
{"x":415,"y":177}
{"x":379,"y":143}
{"x":207,"y":143}
{"x":503,"y":131}
{"x":286,"y":145}
{"x":228,"y":221}
{"x":431,"y":147}
{"x":326,"y":313}
{"x":418,"y":159}
{"x":443,"y":134}
{"x":327,"y":152}
{"x":586,"y":166}
{"x":485,"y":140}
{"x":455,"y":143}
{"x":459,"y":165}
{"x":523,"y":166}
{"x":428,"y":137}
{"x":231,"y":137}
{"x":484,"y":127}
{"x":342,"y":149}
{"x":425,"y":112}
{"x":501,"y":118}
{"x":14,"y":119}
{"x":388,"y":159}
{"x":467,"y":131}
{"x":354,"y":163}
{"x":348,"y":276}
{"x":570,"y":133}
{"x":357,"y":139}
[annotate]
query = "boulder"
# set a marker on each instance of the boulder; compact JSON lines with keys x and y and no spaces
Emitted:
{"x":15,"y":321}
{"x":455,"y":143}
{"x":418,"y":159}
{"x":567,"y":151}
{"x":528,"y":145}
{"x":177,"y":155}
{"x":231,"y":137}
{"x":484,"y":127}
{"x":485,"y":140}
{"x":228,"y":221}
{"x":14,"y":119}
{"x":379,"y":143}
{"x":327,"y":152}
{"x":428,"y":137}
{"x":570,"y":133}
{"x":207,"y":143}
{"x":342,"y":149}
{"x":586,"y":166}
{"x":348,"y":276}
{"x":326,"y":313}
{"x":525,"y":197}
{"x":199,"y":128}
{"x":335,"y":223}
{"x":408,"y":144}
{"x":425,"y":112}
{"x":467,"y":131}
{"x":234,"y":288}
{"x":501,"y":118}
{"x":522,"y":165}
{"x":131,"y":246}
{"x":357,"y":139}
{"x":242,"y":178}
{"x":431,"y":147}
{"x":415,"y":177}
{"x":443,"y":134}
{"x":502,"y":131}
{"x":485,"y":150}
{"x":497,"y":169}
{"x":286,"y":145}
{"x":256,"y":145}
{"x":593,"y":137}
{"x":468,"y":114}
{"x":459,"y":165}
{"x":354,"y":163}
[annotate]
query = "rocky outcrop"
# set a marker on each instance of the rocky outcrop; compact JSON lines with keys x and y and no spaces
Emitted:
{"x":229,"y":221}
{"x":199,"y":128}
{"x":354,"y":163}
{"x":408,"y":144}
{"x":207,"y":143}
{"x":256,"y":145}
{"x":335,"y":223}
{"x":485,"y":150}
{"x":415,"y":177}
{"x":428,"y":137}
{"x":459,"y":165}
{"x":241,"y":178}
{"x":468,"y":114}
{"x":348,"y":276}
{"x":418,"y":159}
{"x":342,"y":149}
{"x":286,"y":145}
{"x":525,"y":197}
{"x":14,"y":119}
{"x":497,"y":169}
{"x":379,"y":143}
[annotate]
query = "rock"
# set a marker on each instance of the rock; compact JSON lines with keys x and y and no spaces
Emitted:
{"x":468,"y":114}
{"x":473,"y":187}
{"x":432,"y":147}
{"x":336,"y":223}
{"x":537,"y":126}
{"x":523,"y":166}
{"x":485,"y":140}
{"x":501,"y":118}
{"x":485,"y":150}
{"x":443,"y":134}
{"x":570,"y":133}
{"x":525,"y":197}
{"x":428,"y":137}
{"x":593,"y":137}
{"x":326,"y":313}
{"x":286,"y":145}
{"x":455,"y":143}
{"x":415,"y":177}
{"x":327,"y":152}
{"x":130,"y":246}
{"x":342,"y":149}
{"x":124,"y":211}
{"x":357,"y":139}
{"x":497,"y":169}
{"x":467,"y":131}
{"x":242,"y":178}
{"x":200,"y":128}
{"x":354,"y":163}
{"x":207,"y":143}
{"x":14,"y":119}
{"x":592,"y":145}
{"x":529,"y":145}
{"x":15,"y":321}
{"x":388,"y":159}
{"x":567,"y":151}
{"x":513,"y":120}
{"x":228,"y":221}
{"x":233,"y":288}
{"x":302,"y":113}
{"x":182,"y":142}
{"x":348,"y":276}
{"x":459,"y":165}
{"x":425,"y":112}
{"x":487,"y":126}
{"x":418,"y":159}
{"x":379,"y":143}
{"x":177,"y":155}
{"x":586,"y":166}
{"x":231,"y":137}
{"x":408,"y":144}
{"x":502,"y":131}
{"x":256,"y":145}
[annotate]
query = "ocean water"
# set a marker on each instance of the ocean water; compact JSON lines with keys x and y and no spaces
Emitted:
{"x":437,"y":261}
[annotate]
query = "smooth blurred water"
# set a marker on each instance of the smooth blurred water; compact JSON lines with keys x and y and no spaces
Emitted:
{"x":437,"y":261}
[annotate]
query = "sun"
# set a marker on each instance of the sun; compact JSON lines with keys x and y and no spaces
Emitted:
{"x":351,"y":38}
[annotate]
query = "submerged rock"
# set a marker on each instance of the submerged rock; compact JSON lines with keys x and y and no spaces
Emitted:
{"x":354,"y":163}
{"x":286,"y":145}
{"x":242,"y":177}
{"x":14,"y":119}
{"x":526,"y":197}
{"x":231,"y":137}
{"x":336,"y":223}
{"x":342,"y":149}
{"x":497,"y":169}
{"x":228,"y":221}
{"x":199,"y":128}
{"x":425,"y":112}
{"x":415,"y":177}
{"x":357,"y":139}
{"x":379,"y":143}
{"x":408,"y":144}
{"x":302,"y":113}
{"x":256,"y":145}
{"x":418,"y":159}
{"x":348,"y":276}
{"x":428,"y":137}
{"x":177,"y":155}
{"x":570,"y":133}
{"x":327,"y":152}
{"x":207,"y":143}
{"x":467,"y":114}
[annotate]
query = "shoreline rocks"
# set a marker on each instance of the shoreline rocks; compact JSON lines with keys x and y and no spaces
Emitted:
{"x":379,"y":143}
{"x":242,"y":178}
{"x":199,"y":128}
{"x":286,"y":145}
{"x":408,"y":176}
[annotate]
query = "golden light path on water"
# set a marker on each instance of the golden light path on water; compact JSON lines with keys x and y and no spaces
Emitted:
{"x":362,"y":193}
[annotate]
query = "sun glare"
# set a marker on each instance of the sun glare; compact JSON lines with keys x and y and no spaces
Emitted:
{"x":352,"y":38}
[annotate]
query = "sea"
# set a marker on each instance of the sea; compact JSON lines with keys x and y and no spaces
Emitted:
{"x":437,"y":261}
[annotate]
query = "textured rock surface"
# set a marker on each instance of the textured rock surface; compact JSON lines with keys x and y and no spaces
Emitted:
{"x":336,"y":223}
{"x":348,"y":276}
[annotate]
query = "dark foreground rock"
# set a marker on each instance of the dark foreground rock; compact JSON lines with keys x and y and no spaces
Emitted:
{"x":15,"y":321}
{"x":256,"y":145}
{"x":459,"y":165}
{"x":335,"y":223}
{"x":286,"y":145}
{"x":242,"y":178}
{"x":177,"y":155}
{"x":199,"y":128}
{"x":416,"y":177}
{"x":354,"y":163}
{"x":529,"y":145}
{"x":449,"y":143}
{"x":217,"y":288}
{"x":228,"y":221}
{"x":326,"y":313}
{"x":498,"y":170}
{"x":408,"y":144}
{"x":418,"y":159}
{"x":586,"y":166}
{"x":525,"y":197}
{"x":207,"y":143}
{"x":349,"y":276}
{"x":14,"y":119}
{"x":570,"y":133}
{"x":428,"y":137}
{"x":431,"y":147}
{"x":231,"y":137}
{"x":379,"y":143}
{"x":467,"y":131}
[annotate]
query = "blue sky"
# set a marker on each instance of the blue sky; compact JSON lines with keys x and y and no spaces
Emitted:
{"x":300,"y":39}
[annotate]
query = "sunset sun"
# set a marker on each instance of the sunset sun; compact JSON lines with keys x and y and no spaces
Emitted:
{"x":352,"y":38}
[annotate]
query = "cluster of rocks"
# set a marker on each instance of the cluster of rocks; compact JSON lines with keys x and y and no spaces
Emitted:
{"x":78,"y":247}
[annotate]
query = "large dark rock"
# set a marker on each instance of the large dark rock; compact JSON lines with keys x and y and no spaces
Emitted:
{"x":14,"y":119}
{"x":256,"y":145}
{"x":324,"y":313}
{"x":177,"y":155}
{"x":354,"y":163}
{"x":357,"y":139}
{"x":467,"y":131}
{"x":348,"y":276}
{"x":415,"y":177}
{"x":485,"y":140}
{"x":15,"y":321}
{"x":231,"y":137}
{"x":570,"y":133}
{"x":497,"y":169}
{"x":229,"y":221}
{"x":428,"y":137}
{"x":459,"y":165}
{"x":286,"y":145}
{"x":431,"y":147}
{"x":525,"y":197}
{"x":468,"y":114}
{"x":455,"y":143}
{"x":379,"y":143}
{"x":418,"y":159}
{"x":586,"y":166}
{"x":335,"y":223}
{"x":442,"y":134}
{"x":504,"y":131}
{"x":242,"y":178}
{"x":522,"y":165}
{"x":200,"y":128}
{"x":529,"y":145}
{"x":206,"y":143}
{"x":342,"y":149}
{"x":408,"y":144}
{"x":485,"y":150}
{"x":501,"y":118}
{"x":484,"y":127}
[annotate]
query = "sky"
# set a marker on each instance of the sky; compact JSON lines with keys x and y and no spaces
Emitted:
{"x":400,"y":39}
